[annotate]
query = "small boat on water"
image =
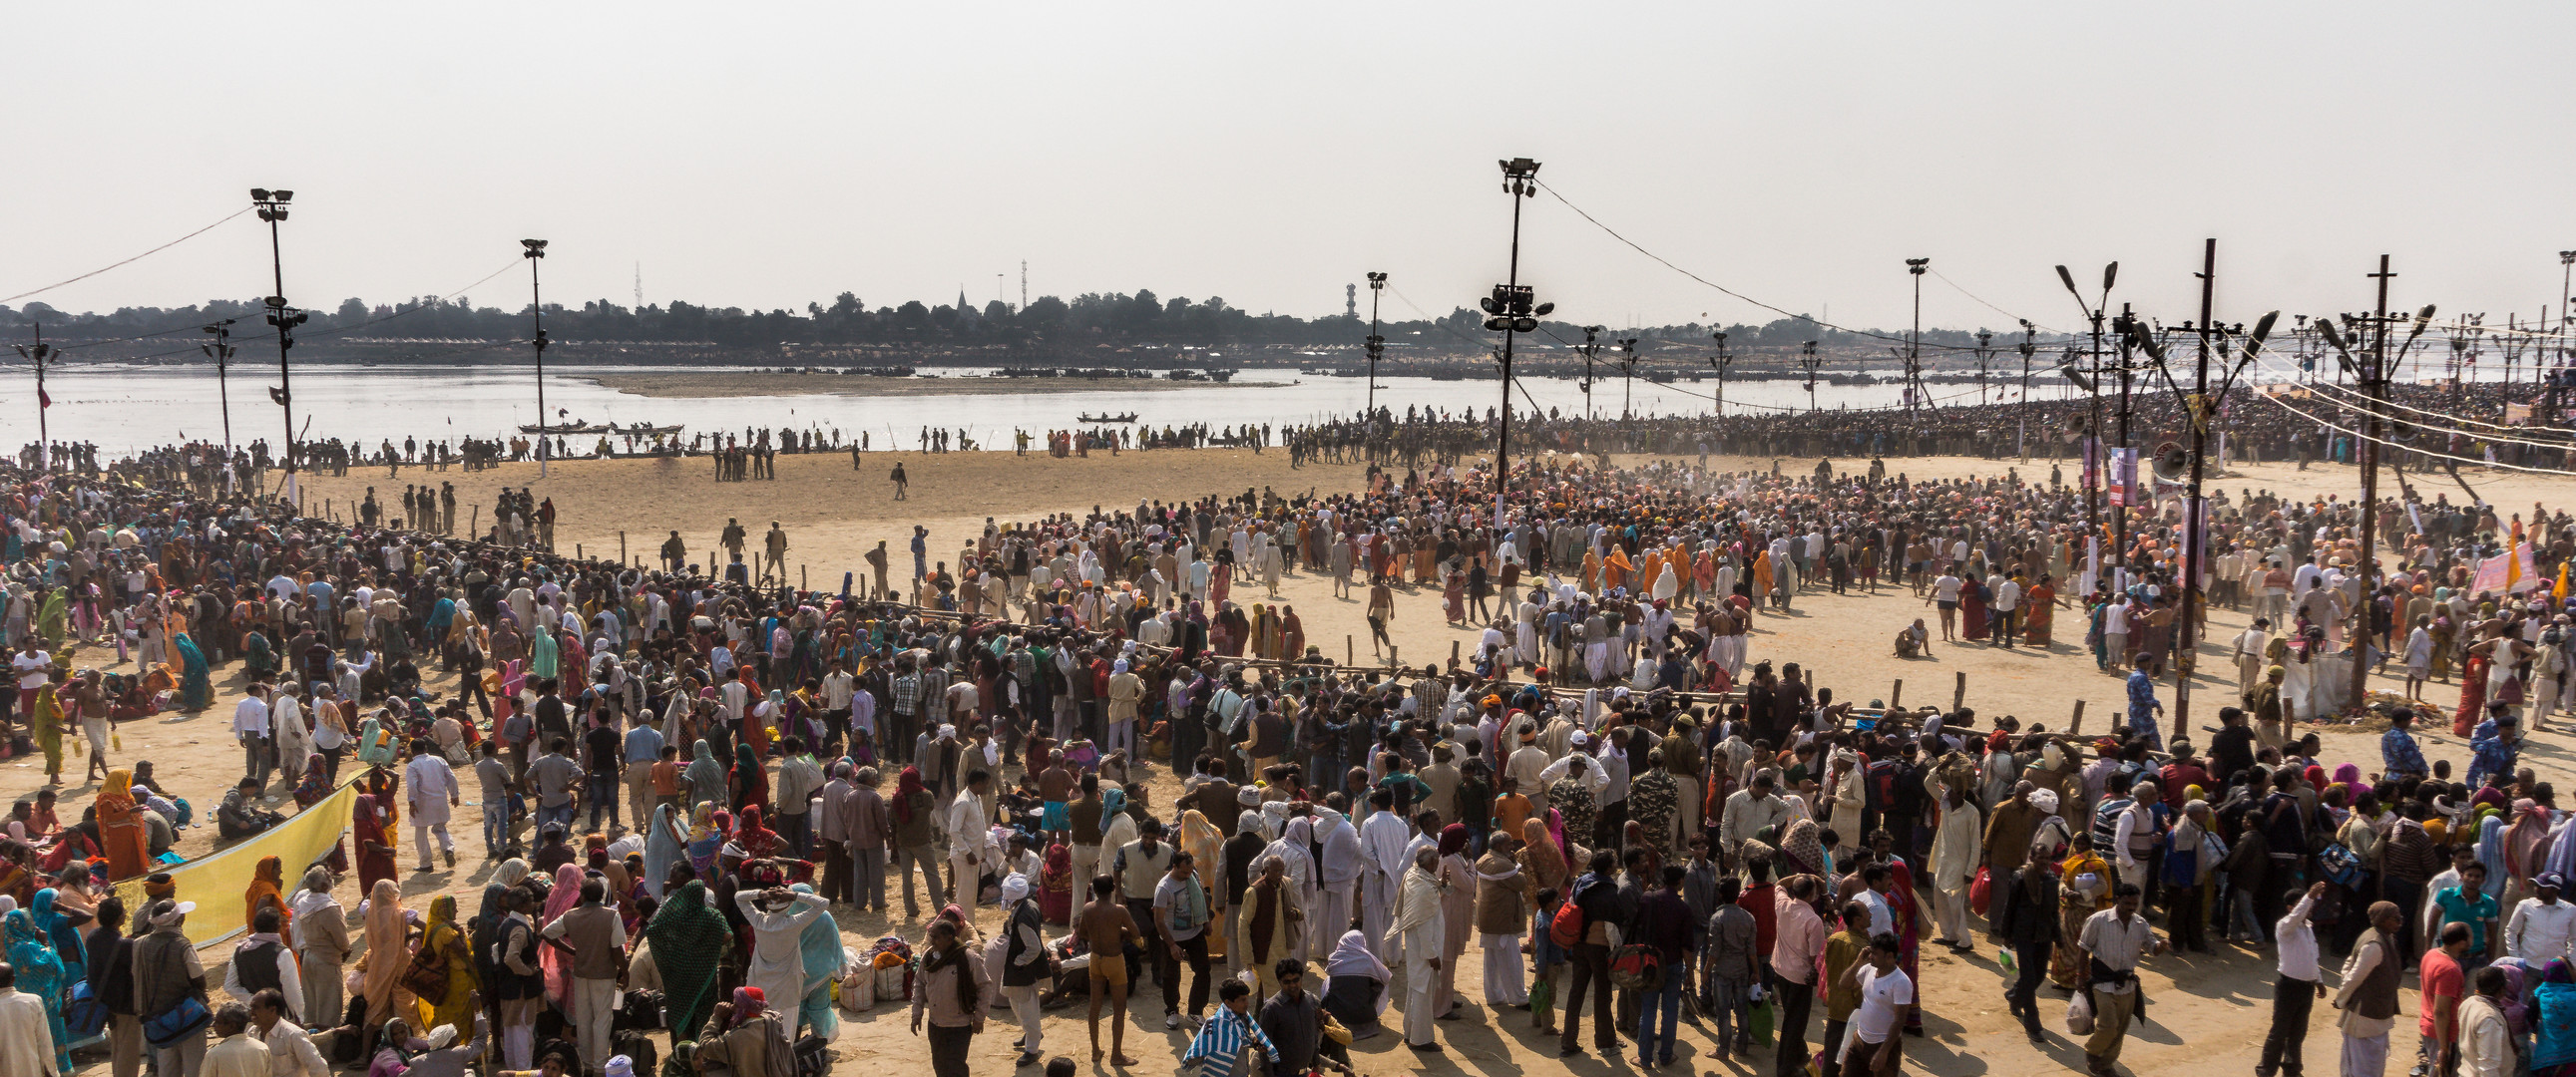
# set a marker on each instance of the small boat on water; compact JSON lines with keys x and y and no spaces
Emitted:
{"x":584,"y":426}
{"x":1127,"y":418}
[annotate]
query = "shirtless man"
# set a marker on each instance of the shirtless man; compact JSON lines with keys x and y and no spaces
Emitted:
{"x":1107,"y":928}
{"x":89,"y":703}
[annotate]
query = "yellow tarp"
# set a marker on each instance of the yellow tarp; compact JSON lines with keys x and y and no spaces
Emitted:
{"x":216,"y":883}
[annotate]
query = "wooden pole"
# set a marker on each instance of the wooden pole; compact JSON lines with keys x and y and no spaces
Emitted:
{"x":1350,"y":651}
{"x":1453,"y":654}
{"x":2075,"y":725}
{"x":576,"y":552}
{"x":1896,"y":695}
{"x":621,"y":547}
{"x":474,"y":522}
{"x":1390,"y":656}
{"x":1959,"y":695}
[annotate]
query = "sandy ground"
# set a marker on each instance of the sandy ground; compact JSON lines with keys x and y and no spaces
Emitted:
{"x":699,"y":386}
{"x":2209,"y":1009}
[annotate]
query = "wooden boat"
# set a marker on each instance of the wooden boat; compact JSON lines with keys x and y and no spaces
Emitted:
{"x":1127,"y":418}
{"x":583,"y":426}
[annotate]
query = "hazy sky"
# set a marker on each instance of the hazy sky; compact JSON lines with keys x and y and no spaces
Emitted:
{"x":771,"y":154}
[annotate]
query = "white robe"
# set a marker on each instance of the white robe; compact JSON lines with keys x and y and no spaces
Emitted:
{"x":777,"y":952}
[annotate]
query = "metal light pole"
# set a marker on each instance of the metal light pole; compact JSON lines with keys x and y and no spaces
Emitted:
{"x":41,"y":355}
{"x":2091,"y":383}
{"x":2372,"y":376}
{"x":1985,"y":359}
{"x":221,"y":351}
{"x":1627,"y":380}
{"x":1807,"y":359}
{"x":1590,"y":349}
{"x":1512,"y":311}
{"x":272,"y":208}
{"x":1915,"y":267}
{"x":1376,"y":347}
{"x":536,"y":252}
{"x":2566,"y":268}
{"x":1721,"y":361}
{"x":2028,"y":347}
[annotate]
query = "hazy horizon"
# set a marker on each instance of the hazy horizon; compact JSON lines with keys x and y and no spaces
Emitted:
{"x":784,"y":154}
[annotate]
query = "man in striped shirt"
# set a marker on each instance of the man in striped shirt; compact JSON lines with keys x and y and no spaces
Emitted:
{"x":1218,"y":1048}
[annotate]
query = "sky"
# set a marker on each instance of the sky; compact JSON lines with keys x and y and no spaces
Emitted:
{"x":768,"y":155}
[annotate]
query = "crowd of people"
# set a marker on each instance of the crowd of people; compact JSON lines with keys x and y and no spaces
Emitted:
{"x":1610,"y":796}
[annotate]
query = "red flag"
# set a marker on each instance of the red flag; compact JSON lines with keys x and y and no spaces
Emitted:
{"x":44,"y":399}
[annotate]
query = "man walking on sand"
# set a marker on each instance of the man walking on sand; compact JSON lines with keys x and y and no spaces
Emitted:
{"x":776,"y":542}
{"x":899,"y":481}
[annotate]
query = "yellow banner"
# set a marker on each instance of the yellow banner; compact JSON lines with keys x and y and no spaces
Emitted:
{"x":216,"y":883}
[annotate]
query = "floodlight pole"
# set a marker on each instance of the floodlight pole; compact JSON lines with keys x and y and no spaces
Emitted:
{"x":222,"y":350}
{"x":1520,"y":180}
{"x":535,"y":253}
{"x":1808,"y":360}
{"x":2196,"y":413}
{"x":1721,"y":361}
{"x":272,"y":208}
{"x":1914,"y":267}
{"x":1376,"y":346}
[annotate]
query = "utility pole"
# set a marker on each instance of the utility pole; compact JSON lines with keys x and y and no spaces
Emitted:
{"x":1376,"y":347}
{"x":2198,"y":410}
{"x":41,"y":356}
{"x":536,"y":253}
{"x":1915,"y":267}
{"x":2127,"y":332}
{"x":272,"y":208}
{"x":2374,"y":387}
{"x":1721,"y":361}
{"x":1512,"y":310}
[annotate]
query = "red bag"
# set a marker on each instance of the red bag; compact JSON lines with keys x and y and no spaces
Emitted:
{"x":1566,"y":928}
{"x":1981,"y":891}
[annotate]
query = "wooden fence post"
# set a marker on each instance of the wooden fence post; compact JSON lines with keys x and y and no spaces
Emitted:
{"x":2075,"y":725}
{"x":1896,"y":695}
{"x":1350,"y":651}
{"x":1453,"y":654}
{"x":1959,"y":695}
{"x":621,"y":547}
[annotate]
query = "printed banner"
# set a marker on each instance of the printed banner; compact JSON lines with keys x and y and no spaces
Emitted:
{"x":2124,"y":477}
{"x":2506,"y":574}
{"x":216,"y":882}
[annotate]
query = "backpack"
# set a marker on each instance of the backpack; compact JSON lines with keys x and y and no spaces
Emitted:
{"x":1566,"y":928}
{"x":637,"y":1047}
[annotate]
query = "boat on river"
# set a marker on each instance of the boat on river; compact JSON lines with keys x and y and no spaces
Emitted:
{"x":583,"y":426}
{"x":1127,"y":418}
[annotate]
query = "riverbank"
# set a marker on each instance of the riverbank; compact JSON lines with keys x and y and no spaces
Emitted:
{"x":780,"y":383}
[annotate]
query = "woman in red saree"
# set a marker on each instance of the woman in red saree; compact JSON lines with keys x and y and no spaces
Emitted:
{"x":375,"y":843}
{"x":1055,"y":885}
{"x":2473,"y":693}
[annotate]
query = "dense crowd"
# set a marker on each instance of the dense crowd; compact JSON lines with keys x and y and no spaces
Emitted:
{"x":1612,"y":797}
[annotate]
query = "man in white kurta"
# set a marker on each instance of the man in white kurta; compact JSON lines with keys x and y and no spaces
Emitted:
{"x":26,"y":1039}
{"x":1383,"y":838}
{"x":1415,"y":939}
{"x":430,"y":787}
{"x":1957,"y":848}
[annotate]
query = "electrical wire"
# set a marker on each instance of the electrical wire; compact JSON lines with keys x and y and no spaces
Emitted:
{"x":332,"y":331}
{"x":2358,"y":435}
{"x":129,"y":261}
{"x":1945,"y":279}
{"x":1783,"y":312}
{"x":2349,"y":398}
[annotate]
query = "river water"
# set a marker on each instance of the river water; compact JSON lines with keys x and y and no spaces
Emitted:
{"x":123,"y":409}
